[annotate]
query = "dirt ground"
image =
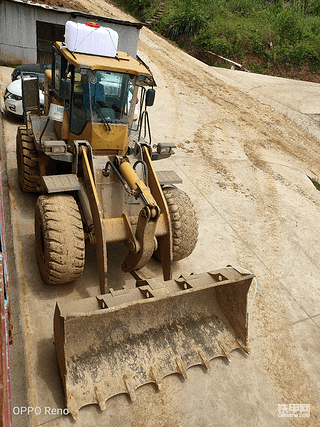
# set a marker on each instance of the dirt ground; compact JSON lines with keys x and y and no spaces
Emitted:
{"x":246,"y":167}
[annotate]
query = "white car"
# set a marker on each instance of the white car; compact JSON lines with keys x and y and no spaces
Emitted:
{"x":13,"y":98}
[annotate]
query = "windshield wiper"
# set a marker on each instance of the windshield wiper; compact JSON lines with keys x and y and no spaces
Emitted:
{"x":102,"y":116}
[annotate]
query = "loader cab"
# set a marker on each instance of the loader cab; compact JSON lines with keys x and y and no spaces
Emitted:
{"x":101,"y":97}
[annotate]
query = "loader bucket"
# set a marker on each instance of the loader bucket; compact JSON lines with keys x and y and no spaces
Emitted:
{"x":117,"y":342}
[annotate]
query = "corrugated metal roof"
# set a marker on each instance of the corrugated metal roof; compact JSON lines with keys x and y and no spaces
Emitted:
{"x":75,"y":13}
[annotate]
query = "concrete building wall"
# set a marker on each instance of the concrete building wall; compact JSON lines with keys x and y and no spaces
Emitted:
{"x":18,"y":36}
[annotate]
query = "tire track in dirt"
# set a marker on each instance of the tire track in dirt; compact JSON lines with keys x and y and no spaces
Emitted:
{"x":228,"y":105}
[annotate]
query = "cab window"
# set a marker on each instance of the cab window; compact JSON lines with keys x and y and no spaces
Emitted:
{"x":58,"y":70}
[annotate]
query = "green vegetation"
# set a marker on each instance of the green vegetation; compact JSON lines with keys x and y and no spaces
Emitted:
{"x":141,"y":9}
{"x":265,"y":33}
{"x":315,"y":182}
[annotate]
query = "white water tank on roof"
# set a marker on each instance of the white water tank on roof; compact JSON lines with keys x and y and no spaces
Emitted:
{"x":91,"y":38}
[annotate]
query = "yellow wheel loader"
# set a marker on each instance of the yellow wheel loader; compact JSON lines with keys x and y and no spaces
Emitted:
{"x":90,"y":155}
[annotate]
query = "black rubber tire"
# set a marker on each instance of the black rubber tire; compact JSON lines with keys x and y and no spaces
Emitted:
{"x":184,"y":223}
{"x":27,"y":161}
{"x":60,"y":241}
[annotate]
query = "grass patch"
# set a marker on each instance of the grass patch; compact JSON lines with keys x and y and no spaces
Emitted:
{"x":140,"y":9}
{"x":315,"y":182}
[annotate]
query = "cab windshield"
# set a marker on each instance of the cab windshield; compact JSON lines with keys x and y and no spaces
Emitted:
{"x":101,"y":97}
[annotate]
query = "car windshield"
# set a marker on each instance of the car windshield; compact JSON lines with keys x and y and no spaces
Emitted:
{"x":102,"y":96}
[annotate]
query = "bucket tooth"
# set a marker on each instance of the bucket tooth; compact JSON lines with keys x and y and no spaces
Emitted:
{"x":128,"y":381}
{"x":100,"y":399}
{"x":204,"y":359}
{"x":155,"y":377}
{"x":73,"y":410}
{"x":244,"y":347}
{"x":181,"y":367}
{"x":74,"y":414}
{"x":73,"y":407}
{"x":225,"y":351}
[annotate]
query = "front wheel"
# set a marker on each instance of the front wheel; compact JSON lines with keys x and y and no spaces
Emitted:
{"x":60,"y":242}
{"x":184,"y":224}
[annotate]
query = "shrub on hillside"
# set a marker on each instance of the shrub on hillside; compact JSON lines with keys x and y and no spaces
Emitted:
{"x":187,"y":18}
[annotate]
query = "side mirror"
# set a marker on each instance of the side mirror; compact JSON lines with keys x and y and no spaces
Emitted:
{"x":65,"y":89}
{"x":151,"y":93}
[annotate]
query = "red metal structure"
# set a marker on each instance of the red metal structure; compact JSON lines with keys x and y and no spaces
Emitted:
{"x":5,"y":328}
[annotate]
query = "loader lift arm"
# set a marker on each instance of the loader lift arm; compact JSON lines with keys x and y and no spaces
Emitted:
{"x":153,"y":220}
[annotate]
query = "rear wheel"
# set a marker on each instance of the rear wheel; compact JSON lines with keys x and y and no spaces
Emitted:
{"x":184,"y":224}
{"x":27,"y":161}
{"x":60,"y":242}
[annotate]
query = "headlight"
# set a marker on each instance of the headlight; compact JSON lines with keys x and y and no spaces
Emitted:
{"x":14,"y":97}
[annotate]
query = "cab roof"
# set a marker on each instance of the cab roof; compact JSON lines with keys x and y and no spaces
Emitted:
{"x":121,"y":63}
